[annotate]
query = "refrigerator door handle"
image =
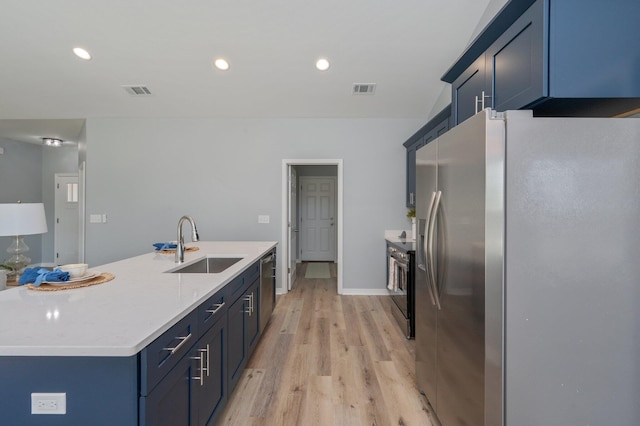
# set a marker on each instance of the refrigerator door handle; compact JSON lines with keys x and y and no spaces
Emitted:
{"x":423,"y":230}
{"x":430,"y":249}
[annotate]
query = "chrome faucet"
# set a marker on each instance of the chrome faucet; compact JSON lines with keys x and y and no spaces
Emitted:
{"x":180,"y":244}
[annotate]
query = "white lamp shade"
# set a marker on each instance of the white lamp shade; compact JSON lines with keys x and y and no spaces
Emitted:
{"x":22,"y":219}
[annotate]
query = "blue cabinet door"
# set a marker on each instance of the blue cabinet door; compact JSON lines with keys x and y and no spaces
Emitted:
{"x":210,"y":392}
{"x":252,"y":331}
{"x":236,"y":350}
{"x":516,"y":63}
{"x":170,"y":402}
{"x":468,"y":90}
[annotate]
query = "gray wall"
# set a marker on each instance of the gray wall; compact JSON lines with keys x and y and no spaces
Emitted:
{"x":21,"y":179}
{"x":146,"y":173}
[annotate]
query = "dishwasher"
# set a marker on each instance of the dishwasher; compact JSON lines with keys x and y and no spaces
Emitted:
{"x":267,"y":287}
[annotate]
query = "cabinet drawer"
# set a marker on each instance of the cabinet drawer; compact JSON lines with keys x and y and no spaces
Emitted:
{"x":237,"y":287}
{"x":210,"y":311}
{"x":251,"y":273}
{"x":157,"y":359}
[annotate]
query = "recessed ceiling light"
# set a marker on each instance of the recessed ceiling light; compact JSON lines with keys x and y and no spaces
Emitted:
{"x":81,"y":53}
{"x":322,"y":64}
{"x":221,"y":64}
{"x":52,"y":141}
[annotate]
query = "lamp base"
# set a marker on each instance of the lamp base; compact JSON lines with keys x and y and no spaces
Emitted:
{"x":18,"y":261}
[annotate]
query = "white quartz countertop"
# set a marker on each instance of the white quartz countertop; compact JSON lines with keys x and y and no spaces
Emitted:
{"x":119,"y":317}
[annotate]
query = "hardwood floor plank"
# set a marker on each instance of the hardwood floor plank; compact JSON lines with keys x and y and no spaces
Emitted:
{"x":246,"y":389}
{"x":354,"y":335}
{"x":319,"y":402}
{"x":371,"y":333}
{"x":292,"y":317}
{"x":321,"y":348}
{"x":270,"y":356}
{"x":305,"y":325}
{"x":326,"y":359}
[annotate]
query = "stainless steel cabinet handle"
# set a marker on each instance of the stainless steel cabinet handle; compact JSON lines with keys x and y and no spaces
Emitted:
{"x":480,"y":100}
{"x":249,"y":298}
{"x":202,"y":369}
{"x":218,"y":306}
{"x":411,"y":198}
{"x":207,"y":352}
{"x":483,"y":98}
{"x":430,"y":250}
{"x":179,"y":345}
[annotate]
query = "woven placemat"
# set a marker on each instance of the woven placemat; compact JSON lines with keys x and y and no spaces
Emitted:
{"x":172,"y":251}
{"x":102,"y":278}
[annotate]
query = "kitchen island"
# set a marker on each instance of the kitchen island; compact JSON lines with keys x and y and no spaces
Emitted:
{"x":125,"y":351}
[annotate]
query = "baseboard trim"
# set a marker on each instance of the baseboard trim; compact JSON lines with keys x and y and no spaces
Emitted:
{"x":365,"y":292}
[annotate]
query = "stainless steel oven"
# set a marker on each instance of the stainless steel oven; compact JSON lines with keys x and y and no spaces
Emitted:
{"x":401,"y":283}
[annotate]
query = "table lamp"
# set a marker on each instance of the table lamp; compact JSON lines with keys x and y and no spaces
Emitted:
{"x":19,"y":219}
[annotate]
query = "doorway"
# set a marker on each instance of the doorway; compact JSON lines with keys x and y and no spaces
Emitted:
{"x":66,"y":219}
{"x":290,"y":217}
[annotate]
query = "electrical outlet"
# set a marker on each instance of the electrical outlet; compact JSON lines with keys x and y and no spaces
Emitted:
{"x":263,"y":219}
{"x":48,"y":403}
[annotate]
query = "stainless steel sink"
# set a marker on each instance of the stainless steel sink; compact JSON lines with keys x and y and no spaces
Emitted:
{"x":208,"y":265}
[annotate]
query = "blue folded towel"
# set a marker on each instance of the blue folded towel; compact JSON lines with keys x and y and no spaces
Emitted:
{"x":164,"y":246}
{"x":37,"y":275}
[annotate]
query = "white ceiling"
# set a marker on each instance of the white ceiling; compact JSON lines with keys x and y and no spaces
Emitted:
{"x":404,"y":46}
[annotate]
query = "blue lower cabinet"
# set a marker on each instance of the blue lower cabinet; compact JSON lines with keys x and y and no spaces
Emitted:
{"x":171,"y":403}
{"x":182,"y":378}
{"x":252,"y":331}
{"x":244,"y":331}
{"x":194,"y":392}
{"x":210,"y":389}
{"x":237,"y":349}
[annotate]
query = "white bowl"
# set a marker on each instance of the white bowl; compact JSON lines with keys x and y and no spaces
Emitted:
{"x":75,"y":270}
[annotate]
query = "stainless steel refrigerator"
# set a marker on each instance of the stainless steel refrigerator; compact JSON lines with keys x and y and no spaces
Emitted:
{"x":528,"y":271}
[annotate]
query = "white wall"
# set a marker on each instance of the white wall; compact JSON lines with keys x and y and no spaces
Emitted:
{"x":146,"y":173}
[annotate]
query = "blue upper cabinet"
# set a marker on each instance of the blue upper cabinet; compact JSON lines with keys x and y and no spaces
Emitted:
{"x":469,"y":91}
{"x":436,"y":127}
{"x":515,"y":63}
{"x":557,"y":57}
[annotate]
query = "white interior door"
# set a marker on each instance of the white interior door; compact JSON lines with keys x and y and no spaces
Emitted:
{"x":66,"y":226}
{"x":293,"y":226}
{"x":317,"y":218}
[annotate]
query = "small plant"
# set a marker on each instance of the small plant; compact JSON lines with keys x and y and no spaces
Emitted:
{"x":6,"y":267}
{"x":411,"y":213}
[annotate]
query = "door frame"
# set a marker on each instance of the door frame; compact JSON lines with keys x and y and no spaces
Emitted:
{"x":286,"y":166}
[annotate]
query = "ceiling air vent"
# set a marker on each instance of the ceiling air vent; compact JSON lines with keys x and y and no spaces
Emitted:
{"x":364,"y":88}
{"x":138,"y":90}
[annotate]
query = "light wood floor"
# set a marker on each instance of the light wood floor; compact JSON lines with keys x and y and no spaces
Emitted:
{"x":326,"y":359}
